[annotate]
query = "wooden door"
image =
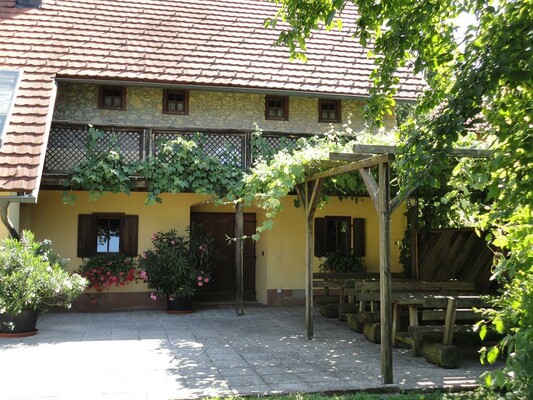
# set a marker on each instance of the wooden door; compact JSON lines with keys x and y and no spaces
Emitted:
{"x":223,"y":284}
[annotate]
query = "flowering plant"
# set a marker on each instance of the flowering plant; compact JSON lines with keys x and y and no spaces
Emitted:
{"x":106,"y":270}
{"x":178,"y":265}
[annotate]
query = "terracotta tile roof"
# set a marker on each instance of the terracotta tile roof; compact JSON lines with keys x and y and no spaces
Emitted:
{"x":193,"y":42}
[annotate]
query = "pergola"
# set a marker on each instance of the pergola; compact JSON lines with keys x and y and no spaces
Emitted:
{"x":363,"y":159}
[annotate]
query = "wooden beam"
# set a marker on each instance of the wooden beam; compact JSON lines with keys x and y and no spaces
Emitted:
{"x":383,"y":149}
{"x":315,"y":198}
{"x":300,"y":192}
{"x":350,"y":157}
{"x":371,"y":186}
{"x":400,"y":198}
{"x":373,"y":149}
{"x":239,"y":259}
{"x":385,"y":273}
{"x":351,"y":167}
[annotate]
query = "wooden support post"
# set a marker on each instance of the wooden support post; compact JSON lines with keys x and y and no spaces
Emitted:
{"x":239,"y":259}
{"x":311,"y":196}
{"x":385,"y":273}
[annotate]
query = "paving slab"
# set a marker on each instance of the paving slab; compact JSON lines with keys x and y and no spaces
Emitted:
{"x":152,"y":355}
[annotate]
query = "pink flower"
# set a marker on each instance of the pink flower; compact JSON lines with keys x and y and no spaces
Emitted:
{"x":153,"y":296}
{"x":154,"y":236}
{"x":206,"y":280}
{"x":201,"y":248}
{"x":172,"y":242}
{"x":143,"y":275}
{"x":200,"y":278}
{"x":170,"y":298}
{"x":144,"y":255}
{"x":200,"y":283}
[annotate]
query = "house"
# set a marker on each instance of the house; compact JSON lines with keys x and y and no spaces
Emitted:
{"x":142,"y":70}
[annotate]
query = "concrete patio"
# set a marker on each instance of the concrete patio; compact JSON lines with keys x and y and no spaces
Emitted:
{"x":152,"y":355}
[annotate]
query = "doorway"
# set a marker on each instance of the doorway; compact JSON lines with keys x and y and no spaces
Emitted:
{"x":223,"y":283}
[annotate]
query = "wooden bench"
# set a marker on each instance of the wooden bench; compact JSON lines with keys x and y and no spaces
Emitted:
{"x":455,"y":317}
{"x":332,"y":286}
{"x":366,"y":294}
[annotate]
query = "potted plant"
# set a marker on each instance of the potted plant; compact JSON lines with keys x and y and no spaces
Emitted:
{"x":32,"y":280}
{"x":178,"y":266}
{"x":337,"y":261}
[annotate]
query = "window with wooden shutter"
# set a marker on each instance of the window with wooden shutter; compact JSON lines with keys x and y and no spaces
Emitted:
{"x":105,"y":233}
{"x":334,"y":234}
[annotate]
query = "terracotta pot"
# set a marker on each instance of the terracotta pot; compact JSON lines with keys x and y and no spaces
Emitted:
{"x":18,"y":325}
{"x":179,"y":305}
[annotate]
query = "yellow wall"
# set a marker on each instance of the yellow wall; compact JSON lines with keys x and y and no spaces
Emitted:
{"x":50,"y":219}
{"x":280,"y":251}
{"x":286,"y":240}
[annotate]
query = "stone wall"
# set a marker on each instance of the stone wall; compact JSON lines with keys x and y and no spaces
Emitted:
{"x":78,"y":103}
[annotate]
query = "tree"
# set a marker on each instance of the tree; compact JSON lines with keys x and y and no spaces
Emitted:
{"x":482,"y":84}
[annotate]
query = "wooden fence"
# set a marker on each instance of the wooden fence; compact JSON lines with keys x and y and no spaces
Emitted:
{"x":455,"y":254}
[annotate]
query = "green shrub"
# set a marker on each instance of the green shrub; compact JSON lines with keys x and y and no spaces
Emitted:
{"x":32,"y":276}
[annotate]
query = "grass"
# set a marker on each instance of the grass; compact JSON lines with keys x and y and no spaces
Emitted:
{"x":473,"y":395}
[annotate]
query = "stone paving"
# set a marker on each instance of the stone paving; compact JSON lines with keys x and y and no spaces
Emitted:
{"x":152,"y":355}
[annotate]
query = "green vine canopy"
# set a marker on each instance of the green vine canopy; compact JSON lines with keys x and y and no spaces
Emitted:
{"x":183,"y":164}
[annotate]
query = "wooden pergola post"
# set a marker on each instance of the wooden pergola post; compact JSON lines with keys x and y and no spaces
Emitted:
{"x":239,"y":258}
{"x":309,"y":196}
{"x":385,"y":272}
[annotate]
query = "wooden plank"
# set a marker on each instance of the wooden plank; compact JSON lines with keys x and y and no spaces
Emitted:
{"x":350,"y":157}
{"x":383,"y":149}
{"x":419,"y":286}
{"x":351,"y":167}
{"x":461,"y":315}
{"x":371,"y":185}
{"x":385,"y":273}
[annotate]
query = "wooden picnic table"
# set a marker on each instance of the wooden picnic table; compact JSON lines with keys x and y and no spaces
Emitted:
{"x":443,"y":307}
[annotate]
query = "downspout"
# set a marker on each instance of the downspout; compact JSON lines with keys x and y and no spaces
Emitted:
{"x":4,"y":206}
{"x":5,"y":201}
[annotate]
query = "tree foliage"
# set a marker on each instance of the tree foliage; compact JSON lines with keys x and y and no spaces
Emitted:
{"x":482,"y":84}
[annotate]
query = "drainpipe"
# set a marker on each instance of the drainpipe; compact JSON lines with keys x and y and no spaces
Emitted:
{"x":4,"y":205}
{"x":5,"y":201}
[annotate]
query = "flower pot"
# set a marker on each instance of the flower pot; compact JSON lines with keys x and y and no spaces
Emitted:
{"x":18,"y":325}
{"x":179,"y":305}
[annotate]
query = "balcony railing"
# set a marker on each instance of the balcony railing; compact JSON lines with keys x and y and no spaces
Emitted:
{"x":67,"y":145}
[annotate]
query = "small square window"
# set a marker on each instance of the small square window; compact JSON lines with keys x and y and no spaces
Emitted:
{"x":277,"y":108}
{"x":176,"y":102}
{"x":112,"y":98}
{"x":329,"y":110}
